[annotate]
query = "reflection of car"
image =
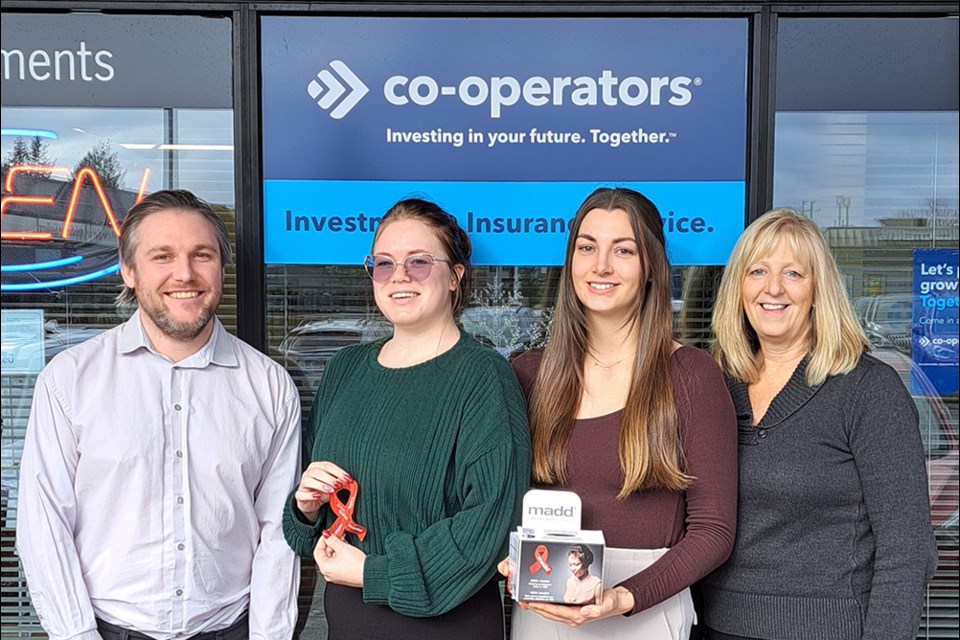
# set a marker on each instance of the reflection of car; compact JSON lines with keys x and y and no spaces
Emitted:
{"x":887,"y":319}
{"x":56,"y":338}
{"x":307,"y":348}
{"x":940,"y":444}
{"x":19,"y":347}
{"x":508,"y":329}
{"x":59,"y":339}
{"x":939,"y":435}
{"x":889,"y":322}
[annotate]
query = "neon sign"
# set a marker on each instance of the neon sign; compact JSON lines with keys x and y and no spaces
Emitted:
{"x":30,"y":133}
{"x":46,"y":271}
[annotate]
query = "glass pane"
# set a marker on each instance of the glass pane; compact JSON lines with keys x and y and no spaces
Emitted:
{"x":130,"y":151}
{"x":313,"y":311}
{"x":881,"y":184}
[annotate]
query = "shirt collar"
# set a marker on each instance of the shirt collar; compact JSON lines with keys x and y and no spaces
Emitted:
{"x":218,"y":350}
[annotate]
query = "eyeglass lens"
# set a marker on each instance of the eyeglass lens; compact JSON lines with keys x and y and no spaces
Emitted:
{"x":418,"y":267}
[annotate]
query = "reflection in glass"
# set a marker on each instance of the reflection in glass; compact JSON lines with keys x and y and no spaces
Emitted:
{"x":881,"y":184}
{"x":68,"y":175}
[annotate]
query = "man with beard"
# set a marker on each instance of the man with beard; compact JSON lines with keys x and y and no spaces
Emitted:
{"x":158,"y":456}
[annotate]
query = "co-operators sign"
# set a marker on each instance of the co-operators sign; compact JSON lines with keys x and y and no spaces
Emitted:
{"x":508,"y":123}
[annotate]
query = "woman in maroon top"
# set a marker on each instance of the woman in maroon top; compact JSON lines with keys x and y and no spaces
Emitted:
{"x":642,"y":428}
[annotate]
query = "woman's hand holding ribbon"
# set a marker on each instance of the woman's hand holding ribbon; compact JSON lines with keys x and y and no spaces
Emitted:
{"x":317,"y":483}
{"x":340,"y":562}
{"x":615,"y":602}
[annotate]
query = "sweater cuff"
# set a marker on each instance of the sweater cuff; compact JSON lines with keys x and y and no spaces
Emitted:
{"x":300,"y":534}
{"x":635,"y":592}
{"x":376,"y":580}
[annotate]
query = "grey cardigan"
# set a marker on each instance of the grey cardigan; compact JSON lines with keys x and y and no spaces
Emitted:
{"x":833,"y":532}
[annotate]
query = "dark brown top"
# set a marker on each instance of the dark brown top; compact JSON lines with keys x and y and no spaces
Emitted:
{"x":697,"y":524}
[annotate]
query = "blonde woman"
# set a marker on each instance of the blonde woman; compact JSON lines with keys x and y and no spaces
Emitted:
{"x":834,"y":537}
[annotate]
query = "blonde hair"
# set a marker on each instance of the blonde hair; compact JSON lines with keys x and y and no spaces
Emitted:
{"x":649,"y":440}
{"x":836,"y":338}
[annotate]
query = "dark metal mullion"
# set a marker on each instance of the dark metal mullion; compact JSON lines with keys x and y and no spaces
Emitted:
{"x":251,"y":273}
{"x":762,"y":115}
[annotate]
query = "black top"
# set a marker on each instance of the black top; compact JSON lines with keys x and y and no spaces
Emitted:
{"x":833,"y":532}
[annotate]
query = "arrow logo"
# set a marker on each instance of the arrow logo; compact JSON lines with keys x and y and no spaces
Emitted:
{"x":326,"y":89}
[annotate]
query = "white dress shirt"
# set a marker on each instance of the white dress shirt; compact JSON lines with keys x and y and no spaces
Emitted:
{"x":152,"y":492}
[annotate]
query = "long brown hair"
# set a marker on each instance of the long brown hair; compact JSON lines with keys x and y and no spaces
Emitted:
{"x":649,"y":442}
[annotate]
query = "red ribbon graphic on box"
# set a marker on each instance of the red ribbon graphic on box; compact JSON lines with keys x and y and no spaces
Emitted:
{"x":540,"y":554}
{"x":344,"y":512}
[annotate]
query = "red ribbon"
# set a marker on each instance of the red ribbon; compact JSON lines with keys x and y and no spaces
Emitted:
{"x":344,"y":512}
{"x":540,"y":554}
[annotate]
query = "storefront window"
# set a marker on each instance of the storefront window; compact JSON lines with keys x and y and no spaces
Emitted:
{"x":73,"y":161}
{"x":98,"y":109}
{"x":870,"y":152}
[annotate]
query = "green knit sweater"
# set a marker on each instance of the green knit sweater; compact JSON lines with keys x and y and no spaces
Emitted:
{"x":441,"y":451}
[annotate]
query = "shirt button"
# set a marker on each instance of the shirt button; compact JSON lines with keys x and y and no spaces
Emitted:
{"x":180,"y":547}
{"x":179,"y":592}
{"x":763,"y":433}
{"x":179,"y":453}
{"x":179,"y":499}
{"x":177,"y":407}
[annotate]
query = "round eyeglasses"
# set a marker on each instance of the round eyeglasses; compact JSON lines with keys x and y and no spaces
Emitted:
{"x":418,"y":266}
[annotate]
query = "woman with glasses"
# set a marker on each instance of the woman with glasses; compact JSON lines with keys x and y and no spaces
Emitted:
{"x":639,"y":426}
{"x":426,"y":430}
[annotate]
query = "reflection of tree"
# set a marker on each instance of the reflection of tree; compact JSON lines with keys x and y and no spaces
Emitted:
{"x":498,"y":316}
{"x":935,"y":213}
{"x":105,"y":164}
{"x":17,"y":156}
{"x":35,"y":154}
{"x":39,"y":156}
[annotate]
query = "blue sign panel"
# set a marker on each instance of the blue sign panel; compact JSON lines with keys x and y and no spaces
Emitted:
{"x":509,"y":223}
{"x":510,"y":120}
{"x":935,"y":345}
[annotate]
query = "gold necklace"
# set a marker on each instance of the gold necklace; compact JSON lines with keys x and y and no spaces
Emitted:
{"x":606,"y":367}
